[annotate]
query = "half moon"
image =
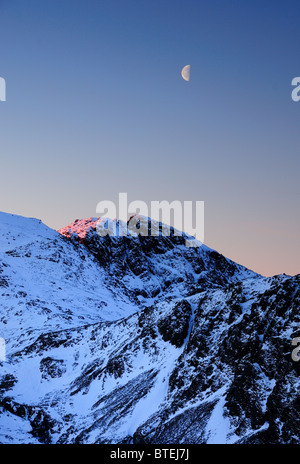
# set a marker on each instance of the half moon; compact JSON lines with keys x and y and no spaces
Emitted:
{"x":185,"y":72}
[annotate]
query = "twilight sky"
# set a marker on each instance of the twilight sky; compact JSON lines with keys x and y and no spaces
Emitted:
{"x":96,"y":105}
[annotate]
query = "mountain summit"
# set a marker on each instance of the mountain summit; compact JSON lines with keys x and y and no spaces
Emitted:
{"x":140,"y":339}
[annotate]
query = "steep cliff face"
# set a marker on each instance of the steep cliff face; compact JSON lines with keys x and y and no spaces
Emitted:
{"x":154,"y":267}
{"x":141,"y":340}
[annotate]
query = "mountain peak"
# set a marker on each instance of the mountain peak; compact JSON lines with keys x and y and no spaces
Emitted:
{"x":136,"y":224}
{"x":157,"y":262}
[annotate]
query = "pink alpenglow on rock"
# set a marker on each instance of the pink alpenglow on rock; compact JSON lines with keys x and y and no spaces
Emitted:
{"x":80,"y":227}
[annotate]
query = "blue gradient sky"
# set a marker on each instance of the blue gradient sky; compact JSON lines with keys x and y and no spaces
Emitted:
{"x":96,"y":106}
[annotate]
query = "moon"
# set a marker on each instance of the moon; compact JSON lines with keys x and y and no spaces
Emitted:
{"x":185,"y":72}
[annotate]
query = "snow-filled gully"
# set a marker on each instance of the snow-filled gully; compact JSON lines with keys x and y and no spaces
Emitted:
{"x":150,"y":404}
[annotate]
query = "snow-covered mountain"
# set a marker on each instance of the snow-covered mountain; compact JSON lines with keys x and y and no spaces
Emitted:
{"x":141,"y":340}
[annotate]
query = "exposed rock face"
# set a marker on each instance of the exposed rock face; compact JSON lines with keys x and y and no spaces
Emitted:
{"x":141,"y":340}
